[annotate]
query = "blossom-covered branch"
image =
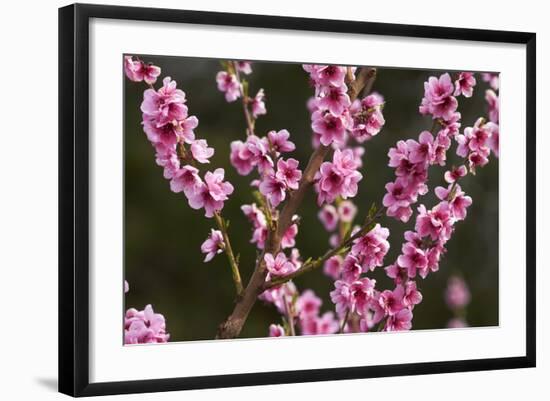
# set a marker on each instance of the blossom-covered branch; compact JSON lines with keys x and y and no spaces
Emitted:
{"x":232,"y":326}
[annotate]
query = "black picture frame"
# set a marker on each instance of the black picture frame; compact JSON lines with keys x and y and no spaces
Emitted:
{"x":74,"y":198}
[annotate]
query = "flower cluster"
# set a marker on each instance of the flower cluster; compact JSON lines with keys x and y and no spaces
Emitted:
{"x":356,"y":294}
{"x":438,"y":97}
{"x":338,"y":178}
{"x":260,"y":153}
{"x":145,"y":326}
{"x":138,"y":71}
{"x":302,"y":311}
{"x":367,"y":117}
{"x":330,"y":116}
{"x":229,"y":83}
{"x":170,"y":129}
{"x":464,"y":84}
{"x":276,"y":184}
{"x":411,"y":158}
{"x":477,"y":142}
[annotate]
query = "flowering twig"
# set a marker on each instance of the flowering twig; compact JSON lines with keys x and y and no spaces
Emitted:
{"x":232,"y":326}
{"x":229,"y":252}
{"x":244,"y":95}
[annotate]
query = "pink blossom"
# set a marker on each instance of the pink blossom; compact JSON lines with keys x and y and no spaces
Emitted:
{"x":412,"y":296}
{"x":278,"y":266}
{"x":315,"y":325}
{"x":228,"y":84}
{"x":374,"y":315}
{"x":257,"y":104}
{"x":137,"y":70}
{"x":398,"y":199}
{"x":126,"y":287}
{"x":457,"y":294}
{"x":465,"y":84}
{"x":187,"y":180}
{"x":279,"y":141}
{"x":392,"y":301}
{"x":492,"y":78}
{"x":329,"y":217}
{"x":335,"y":99}
{"x":353,"y":296}
{"x":412,"y":258}
{"x":372,"y":247}
{"x":477,"y":159}
{"x":351,"y":269}
{"x":438,"y":97}
{"x":347,"y":211}
{"x":165,"y":105}
{"x":146,"y":326}
{"x":394,"y":271}
{"x":341,"y":296}
{"x":201,"y":152}
{"x":241,"y":158}
{"x":212,"y":193}
{"x":288,"y":173}
{"x":422,"y":151}
{"x":402,"y":320}
{"x":167,"y":157}
{"x":330,"y":128}
{"x":308,"y":304}
{"x":494,"y":105}
{"x":276,"y":330}
{"x":333,"y":266}
{"x":434,"y":223}
{"x":289,"y":237}
{"x":330,"y":75}
{"x":213,"y":245}
{"x":244,"y":66}
{"x":273,"y":189}
{"x":184,"y":130}
{"x":259,"y":149}
{"x":367,"y":117}
{"x":459,"y":202}
{"x":455,"y":174}
{"x":338,"y":178}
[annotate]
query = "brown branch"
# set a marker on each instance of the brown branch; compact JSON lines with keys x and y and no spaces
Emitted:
{"x":233,"y":325}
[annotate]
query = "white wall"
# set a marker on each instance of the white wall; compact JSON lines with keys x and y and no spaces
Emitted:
{"x":28,"y":197}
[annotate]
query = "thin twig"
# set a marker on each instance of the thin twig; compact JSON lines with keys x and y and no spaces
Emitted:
{"x":247,"y":116}
{"x":230,"y":255}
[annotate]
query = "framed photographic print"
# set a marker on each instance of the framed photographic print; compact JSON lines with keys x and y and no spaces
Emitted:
{"x":299,"y":199}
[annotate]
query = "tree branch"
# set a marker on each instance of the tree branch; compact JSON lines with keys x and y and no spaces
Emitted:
{"x":232,"y":326}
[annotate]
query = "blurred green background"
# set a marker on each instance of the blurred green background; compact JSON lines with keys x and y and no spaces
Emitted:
{"x":163,"y":262}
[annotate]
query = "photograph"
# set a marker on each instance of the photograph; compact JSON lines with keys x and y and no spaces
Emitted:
{"x":278,"y":199}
